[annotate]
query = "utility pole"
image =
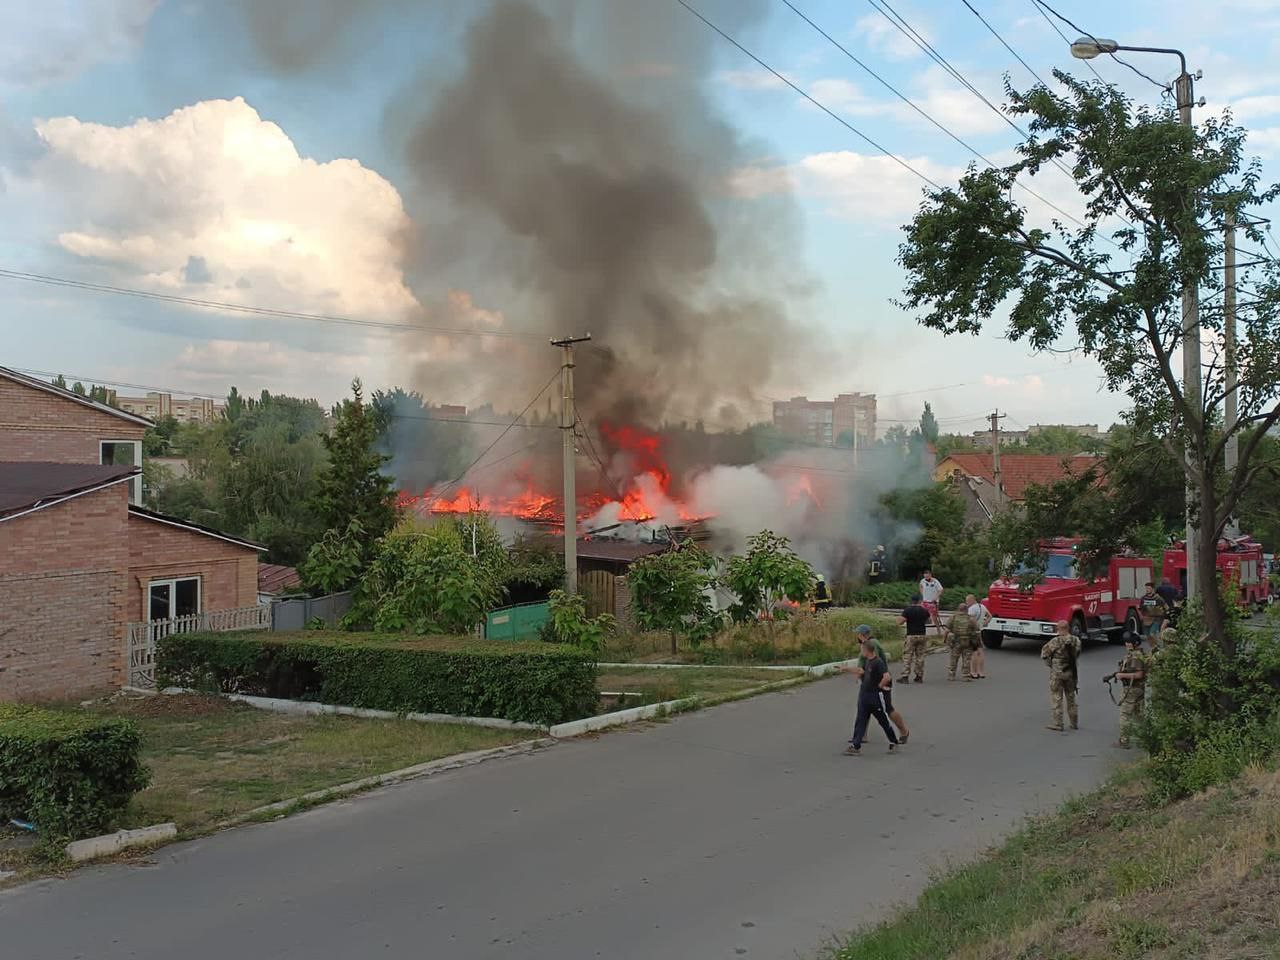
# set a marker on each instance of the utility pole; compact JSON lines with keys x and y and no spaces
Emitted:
{"x":1184,"y":88}
{"x":568,"y":421}
{"x":995,"y":419}
{"x":1232,"y":398}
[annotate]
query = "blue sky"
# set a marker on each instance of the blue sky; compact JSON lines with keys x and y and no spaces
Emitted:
{"x":80,"y":80}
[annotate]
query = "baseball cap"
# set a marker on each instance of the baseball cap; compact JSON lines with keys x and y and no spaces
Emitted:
{"x":862,"y":629}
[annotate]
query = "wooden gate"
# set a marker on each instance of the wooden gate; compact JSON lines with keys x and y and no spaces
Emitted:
{"x":597,"y":588}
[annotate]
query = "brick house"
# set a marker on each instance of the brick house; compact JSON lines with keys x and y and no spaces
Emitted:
{"x":80,"y":560}
{"x":973,"y":475}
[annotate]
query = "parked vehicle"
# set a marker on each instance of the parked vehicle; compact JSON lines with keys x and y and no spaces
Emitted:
{"x":1100,"y":608}
{"x":1240,"y":561}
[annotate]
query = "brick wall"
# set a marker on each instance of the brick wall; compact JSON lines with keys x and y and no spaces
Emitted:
{"x":62,"y":598}
{"x":157,"y":551}
{"x":38,"y":425}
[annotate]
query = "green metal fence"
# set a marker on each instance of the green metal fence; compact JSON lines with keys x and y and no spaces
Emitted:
{"x":521,"y":622}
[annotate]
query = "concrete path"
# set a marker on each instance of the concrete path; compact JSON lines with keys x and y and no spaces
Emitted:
{"x":739,"y":831}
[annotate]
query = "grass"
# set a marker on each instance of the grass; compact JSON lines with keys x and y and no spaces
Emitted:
{"x":212,"y":759}
{"x":1110,"y":876}
{"x":803,"y":640}
{"x":658,"y":686}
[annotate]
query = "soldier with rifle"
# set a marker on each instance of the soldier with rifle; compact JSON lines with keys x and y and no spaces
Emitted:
{"x":1060,"y":654}
{"x":1132,"y":673}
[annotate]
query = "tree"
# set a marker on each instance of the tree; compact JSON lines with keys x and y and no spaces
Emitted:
{"x":768,"y":573}
{"x":929,"y":424}
{"x":352,"y":486}
{"x":78,"y":387}
{"x":60,"y":381}
{"x":671,"y":592}
{"x":570,"y":624}
{"x":335,"y":561}
{"x":1159,"y":192}
{"x":234,"y":407}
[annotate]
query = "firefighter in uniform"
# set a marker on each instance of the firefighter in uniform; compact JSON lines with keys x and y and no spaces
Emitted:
{"x":821,"y":598}
{"x":1060,"y":654}
{"x":1132,"y":673}
{"x":876,"y":571}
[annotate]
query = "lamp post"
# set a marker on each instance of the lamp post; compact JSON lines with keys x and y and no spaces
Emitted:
{"x":1086,"y":48}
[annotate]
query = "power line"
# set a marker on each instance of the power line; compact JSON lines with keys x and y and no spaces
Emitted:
{"x":115,"y":383}
{"x":920,"y":110}
{"x":800,"y":90}
{"x":1030,"y":69}
{"x":483,"y":453}
{"x":1123,"y":63}
{"x":254,"y":310}
{"x":1058,"y":31}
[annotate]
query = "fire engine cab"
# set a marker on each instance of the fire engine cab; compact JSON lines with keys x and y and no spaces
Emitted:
{"x":1096,"y":609}
{"x":1240,"y":561}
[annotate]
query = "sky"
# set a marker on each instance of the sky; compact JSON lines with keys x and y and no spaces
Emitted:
{"x":200,"y":149}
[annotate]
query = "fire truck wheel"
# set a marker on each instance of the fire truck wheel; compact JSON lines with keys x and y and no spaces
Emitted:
{"x":1132,"y":623}
{"x":1078,"y":628}
{"x":992,"y":639}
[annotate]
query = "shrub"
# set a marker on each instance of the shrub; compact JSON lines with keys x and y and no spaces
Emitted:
{"x":569,"y":623}
{"x":898,"y":593}
{"x":804,"y":639}
{"x":71,"y":774}
{"x":534,"y":682}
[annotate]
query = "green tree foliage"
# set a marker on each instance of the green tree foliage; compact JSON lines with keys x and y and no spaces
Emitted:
{"x":60,"y":381}
{"x":768,"y":573}
{"x":670,"y":592}
{"x":1159,"y":191}
{"x":352,"y":486}
{"x":535,"y":568}
{"x":956,"y":552}
{"x":157,"y":441}
{"x":335,"y":561}
{"x":1054,"y":439}
{"x":424,"y":580}
{"x":929,"y":424}
{"x":569,"y":623}
{"x":949,"y":443}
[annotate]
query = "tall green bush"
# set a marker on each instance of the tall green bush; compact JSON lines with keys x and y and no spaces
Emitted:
{"x":71,"y":774}
{"x":536,"y":682}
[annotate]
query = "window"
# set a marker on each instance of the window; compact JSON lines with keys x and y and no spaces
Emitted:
{"x":124,"y":453}
{"x":169,"y":599}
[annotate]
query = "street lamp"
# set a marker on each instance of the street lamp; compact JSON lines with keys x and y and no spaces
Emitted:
{"x":1086,"y":48}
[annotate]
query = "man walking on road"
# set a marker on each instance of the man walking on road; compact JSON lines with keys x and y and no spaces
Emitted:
{"x":916,"y":618}
{"x":931,"y":595}
{"x":960,"y":637}
{"x":1060,"y":654}
{"x":981,"y":617}
{"x":875,"y":679}
{"x":886,"y":693}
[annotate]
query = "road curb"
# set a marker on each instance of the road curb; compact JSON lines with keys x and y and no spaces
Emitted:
{"x":417,"y":771}
{"x":109,"y":843}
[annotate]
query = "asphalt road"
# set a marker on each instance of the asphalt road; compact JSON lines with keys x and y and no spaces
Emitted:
{"x":739,"y":831}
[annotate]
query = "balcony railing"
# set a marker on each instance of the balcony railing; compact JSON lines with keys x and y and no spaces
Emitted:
{"x":143,"y":636}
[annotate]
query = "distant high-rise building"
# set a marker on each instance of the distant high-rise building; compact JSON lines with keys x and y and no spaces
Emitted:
{"x":828,"y":423}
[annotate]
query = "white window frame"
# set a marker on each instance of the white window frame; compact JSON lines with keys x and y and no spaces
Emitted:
{"x":173,"y":594}
{"x":135,"y":484}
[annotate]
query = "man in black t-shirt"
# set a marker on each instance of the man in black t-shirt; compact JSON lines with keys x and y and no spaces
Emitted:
{"x":875,"y":678}
{"x":916,"y":617}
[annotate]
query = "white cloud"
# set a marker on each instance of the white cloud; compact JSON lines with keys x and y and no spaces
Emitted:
{"x":46,"y":42}
{"x":751,"y":79}
{"x":216,"y":182}
{"x":866,"y":187}
{"x":885,"y":38}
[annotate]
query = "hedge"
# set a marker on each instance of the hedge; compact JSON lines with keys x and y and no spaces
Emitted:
{"x":534,"y":682}
{"x":71,"y":774}
{"x":897,"y":594}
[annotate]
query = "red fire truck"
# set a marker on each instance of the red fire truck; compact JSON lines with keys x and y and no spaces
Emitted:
{"x":1240,"y":560}
{"x":1098,"y":609}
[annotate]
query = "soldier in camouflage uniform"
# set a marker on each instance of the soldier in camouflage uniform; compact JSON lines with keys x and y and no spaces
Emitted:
{"x":1060,"y":654}
{"x":961,"y":636}
{"x":1133,"y":674}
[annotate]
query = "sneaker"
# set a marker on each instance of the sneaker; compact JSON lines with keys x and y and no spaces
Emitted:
{"x":852,"y":751}
{"x":1050,"y":726}
{"x":903,"y":737}
{"x":1075,"y":726}
{"x":919,"y":679}
{"x":893,"y":747}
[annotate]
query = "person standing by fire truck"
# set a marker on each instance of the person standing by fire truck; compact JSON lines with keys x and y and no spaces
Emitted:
{"x":1153,"y":610}
{"x":1060,"y":653}
{"x":931,"y":595}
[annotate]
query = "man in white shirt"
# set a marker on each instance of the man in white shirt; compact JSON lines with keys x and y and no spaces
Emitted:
{"x":930,"y":595}
{"x":981,"y":616}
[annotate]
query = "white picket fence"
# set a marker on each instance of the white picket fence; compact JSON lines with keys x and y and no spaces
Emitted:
{"x":143,"y":636}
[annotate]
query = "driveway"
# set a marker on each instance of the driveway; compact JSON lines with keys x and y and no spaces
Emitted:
{"x":739,"y":831}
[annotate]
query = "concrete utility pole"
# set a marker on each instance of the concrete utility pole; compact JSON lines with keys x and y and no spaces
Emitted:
{"x":995,"y":419}
{"x":568,"y":422}
{"x":1231,"y":392}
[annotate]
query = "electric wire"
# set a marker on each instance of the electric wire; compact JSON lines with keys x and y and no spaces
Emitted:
{"x":1030,"y":69}
{"x":804,"y":93}
{"x":1123,"y":63}
{"x":1065,"y":38}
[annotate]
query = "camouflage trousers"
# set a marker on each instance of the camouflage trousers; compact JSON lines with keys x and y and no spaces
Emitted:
{"x":959,"y":653}
{"x":1062,"y":687}
{"x":1130,"y":711}
{"x":913,"y":651}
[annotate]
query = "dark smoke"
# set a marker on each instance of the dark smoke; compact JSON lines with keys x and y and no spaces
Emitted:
{"x":590,"y":193}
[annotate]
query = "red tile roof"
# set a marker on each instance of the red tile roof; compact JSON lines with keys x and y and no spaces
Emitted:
{"x":1017,"y":470}
{"x":276,"y":578}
